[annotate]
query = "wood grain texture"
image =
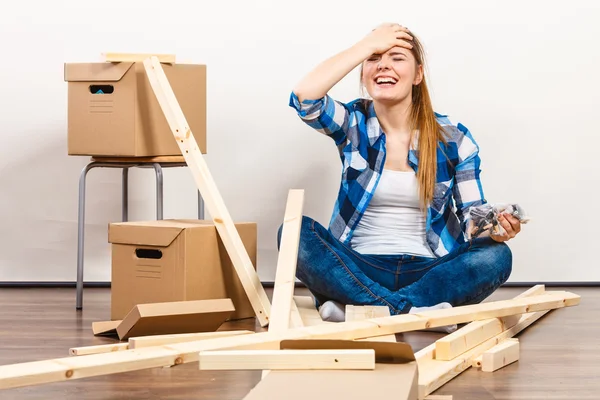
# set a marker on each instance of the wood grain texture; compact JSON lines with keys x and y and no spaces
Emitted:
{"x":559,"y":359}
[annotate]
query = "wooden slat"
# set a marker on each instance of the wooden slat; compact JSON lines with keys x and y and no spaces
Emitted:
{"x":97,"y":349}
{"x":464,"y":339}
{"x":137,"y":57}
{"x":435,"y":373}
{"x":501,"y":355}
{"x":160,"y":340}
{"x":287,"y":359}
{"x":69,"y":368}
{"x":285,"y":275}
{"x":308,"y":312}
{"x":209,"y":191}
{"x":358,"y":313}
{"x":295,"y":318}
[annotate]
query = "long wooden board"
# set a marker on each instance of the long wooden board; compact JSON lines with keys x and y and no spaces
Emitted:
{"x":285,"y":275}
{"x":307,"y":359}
{"x":208,"y":189}
{"x":68,"y":368}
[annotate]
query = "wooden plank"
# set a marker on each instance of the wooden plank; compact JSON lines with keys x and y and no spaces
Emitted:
{"x":97,"y":349}
{"x":209,"y":191}
{"x":466,"y":338}
{"x":358,"y":313}
{"x":499,"y":356}
{"x":439,"y":397}
{"x":69,"y":368}
{"x":295,"y":318}
{"x":138,"y":57}
{"x":435,"y":373}
{"x":285,"y":275}
{"x":335,"y":359}
{"x":160,"y":340}
{"x":308,"y":312}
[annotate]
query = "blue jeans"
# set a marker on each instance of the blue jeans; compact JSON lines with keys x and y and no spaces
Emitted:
{"x":332,"y":270}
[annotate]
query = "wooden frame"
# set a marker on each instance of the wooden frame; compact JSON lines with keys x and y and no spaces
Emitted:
{"x":208,"y":189}
{"x":69,"y":368}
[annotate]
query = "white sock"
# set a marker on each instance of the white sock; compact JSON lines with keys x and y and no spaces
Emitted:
{"x":332,"y":311}
{"x":440,"y":306}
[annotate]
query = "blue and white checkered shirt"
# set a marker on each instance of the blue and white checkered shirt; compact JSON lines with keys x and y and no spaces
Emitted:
{"x":361,"y":144}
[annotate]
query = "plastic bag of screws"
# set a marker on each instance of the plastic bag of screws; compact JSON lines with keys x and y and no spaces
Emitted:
{"x":483,"y":219}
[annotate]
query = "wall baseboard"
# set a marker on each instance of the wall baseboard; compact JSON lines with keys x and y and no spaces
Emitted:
{"x":267,"y":284}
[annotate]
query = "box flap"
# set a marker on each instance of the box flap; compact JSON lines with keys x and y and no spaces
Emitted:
{"x":142,"y":235}
{"x":385,"y":352}
{"x":95,"y":72}
{"x":105,"y":328}
{"x":175,"y":317}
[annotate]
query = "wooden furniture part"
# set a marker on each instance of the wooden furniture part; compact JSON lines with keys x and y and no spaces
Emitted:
{"x":208,"y":188}
{"x":286,"y":359}
{"x":358,"y":313}
{"x":285,"y":275}
{"x":68,"y":368}
{"x":464,"y":339}
{"x":435,"y":373}
{"x":139,"y":342}
{"x":499,"y":356}
{"x":138,"y":57}
{"x":308,"y":312}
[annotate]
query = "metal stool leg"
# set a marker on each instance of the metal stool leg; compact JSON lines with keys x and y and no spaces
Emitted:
{"x":159,"y":191}
{"x":200,"y":206}
{"x":125,"y":194}
{"x":80,"y":234}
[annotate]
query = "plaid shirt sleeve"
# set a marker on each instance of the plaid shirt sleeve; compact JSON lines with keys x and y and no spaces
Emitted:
{"x":325,"y":115}
{"x":467,"y":190}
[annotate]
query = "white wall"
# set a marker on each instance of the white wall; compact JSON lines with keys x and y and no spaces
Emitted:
{"x":521,"y":75}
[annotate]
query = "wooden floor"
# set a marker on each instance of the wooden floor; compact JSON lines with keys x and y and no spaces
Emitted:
{"x":560,"y":354}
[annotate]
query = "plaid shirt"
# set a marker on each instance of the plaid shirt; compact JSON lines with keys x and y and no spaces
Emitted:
{"x":361,"y":144}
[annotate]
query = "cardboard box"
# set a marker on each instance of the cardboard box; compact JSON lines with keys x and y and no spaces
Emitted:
{"x":395,"y":375}
{"x":113,"y":111}
{"x":175,"y":260}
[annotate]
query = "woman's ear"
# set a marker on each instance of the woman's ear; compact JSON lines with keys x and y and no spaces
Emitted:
{"x":419,"y":75}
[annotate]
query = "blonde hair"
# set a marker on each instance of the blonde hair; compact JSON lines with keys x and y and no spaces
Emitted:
{"x":423,"y":119}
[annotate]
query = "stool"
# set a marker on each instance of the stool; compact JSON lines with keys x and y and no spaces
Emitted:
{"x":158,"y":163}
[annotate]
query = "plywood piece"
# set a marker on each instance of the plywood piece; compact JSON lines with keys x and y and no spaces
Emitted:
{"x":286,"y":359}
{"x":208,"y":189}
{"x":464,"y":339}
{"x":501,"y":355}
{"x":69,"y":368}
{"x":138,"y":57}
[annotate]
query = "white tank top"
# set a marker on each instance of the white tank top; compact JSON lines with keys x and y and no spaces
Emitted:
{"x":393,"y":222}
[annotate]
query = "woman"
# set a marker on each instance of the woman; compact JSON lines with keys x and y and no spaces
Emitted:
{"x":397,"y":234}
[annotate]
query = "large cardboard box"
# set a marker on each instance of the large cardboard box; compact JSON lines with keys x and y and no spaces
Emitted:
{"x":175,"y":260}
{"x":113,"y":111}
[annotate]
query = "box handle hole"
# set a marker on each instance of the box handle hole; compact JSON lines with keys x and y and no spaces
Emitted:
{"x":102,"y":89}
{"x":148,"y":253}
